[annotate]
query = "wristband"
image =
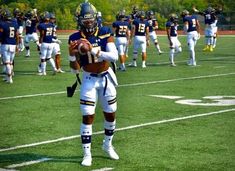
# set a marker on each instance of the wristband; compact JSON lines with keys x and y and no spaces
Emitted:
{"x":72,"y":58}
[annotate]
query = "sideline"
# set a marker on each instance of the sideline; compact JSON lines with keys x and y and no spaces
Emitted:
{"x":118,"y":129}
{"x":124,"y":85}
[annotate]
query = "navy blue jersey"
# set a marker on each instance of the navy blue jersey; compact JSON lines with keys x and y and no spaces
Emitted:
{"x":173,"y":28}
{"x":47,"y":28}
{"x":8,"y":31}
{"x":192,"y":22}
{"x":99,"y":21}
{"x":54,"y":35}
{"x":121,"y":28}
{"x":152,"y":24}
{"x":140,"y":27}
{"x":209,"y":18}
{"x":98,"y":40}
{"x":30,"y":26}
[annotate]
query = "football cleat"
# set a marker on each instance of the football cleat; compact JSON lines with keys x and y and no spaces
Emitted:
{"x":42,"y":73}
{"x":143,"y":65}
{"x":133,"y":64}
{"x":206,"y":48}
{"x":160,"y":52}
{"x":87,"y":160}
{"x":173,"y":64}
{"x":110,"y":152}
{"x":60,"y":70}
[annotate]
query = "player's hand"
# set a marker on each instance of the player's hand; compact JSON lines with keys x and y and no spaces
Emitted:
{"x":148,"y":42}
{"x":73,"y":50}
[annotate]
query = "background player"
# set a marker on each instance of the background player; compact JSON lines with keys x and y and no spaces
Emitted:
{"x":172,"y":35}
{"x":153,"y":26}
{"x":140,"y":31}
{"x":192,"y":29}
{"x":122,"y":33}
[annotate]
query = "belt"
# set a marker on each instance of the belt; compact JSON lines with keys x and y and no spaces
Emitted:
{"x":99,"y":75}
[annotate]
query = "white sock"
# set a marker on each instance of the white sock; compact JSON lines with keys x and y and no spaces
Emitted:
{"x":86,"y":132}
{"x":52,"y":62}
{"x":43,"y":66}
{"x":109,"y":128}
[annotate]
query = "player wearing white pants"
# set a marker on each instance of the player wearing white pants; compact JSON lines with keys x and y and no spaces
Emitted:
{"x":171,"y":29}
{"x":140,"y":30}
{"x":192,"y":28}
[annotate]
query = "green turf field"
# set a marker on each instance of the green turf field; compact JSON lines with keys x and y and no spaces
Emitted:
{"x":169,"y":118}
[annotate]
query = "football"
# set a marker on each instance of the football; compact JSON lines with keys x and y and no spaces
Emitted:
{"x":83,"y":46}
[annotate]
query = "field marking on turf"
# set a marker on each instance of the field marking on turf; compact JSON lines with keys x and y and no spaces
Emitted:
{"x":118,"y":129}
{"x":125,"y":85}
{"x":103,"y":169}
{"x":28,"y":163}
{"x":1,"y":169}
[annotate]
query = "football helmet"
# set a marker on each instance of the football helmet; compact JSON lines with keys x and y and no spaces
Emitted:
{"x":150,"y":14}
{"x":45,"y":16}
{"x":121,"y":14}
{"x":184,"y":13}
{"x":141,"y":14}
{"x":6,"y":15}
{"x":87,"y":17}
{"x":173,"y":17}
{"x":16,"y":12}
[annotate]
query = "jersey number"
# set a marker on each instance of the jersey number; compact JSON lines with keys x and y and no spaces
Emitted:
{"x":141,"y":28}
{"x":122,"y":30}
{"x":92,"y":58}
{"x":12,"y":32}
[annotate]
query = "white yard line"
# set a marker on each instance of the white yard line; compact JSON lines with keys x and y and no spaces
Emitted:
{"x":118,"y":129}
{"x":103,"y":169}
{"x":124,"y":85}
{"x":12,"y":166}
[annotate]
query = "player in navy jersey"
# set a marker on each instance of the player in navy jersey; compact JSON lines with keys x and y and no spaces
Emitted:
{"x":192,"y":29}
{"x":9,"y":39}
{"x":31,"y":21}
{"x":56,"y":44}
{"x":153,"y":26}
{"x":172,"y":35}
{"x":122,"y":33}
{"x":140,"y":31}
{"x":210,"y":20}
{"x":98,"y":80}
{"x":19,"y":17}
{"x":45,"y":39}
{"x":99,"y":19}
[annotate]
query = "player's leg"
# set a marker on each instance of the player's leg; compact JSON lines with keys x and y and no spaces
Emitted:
{"x":88,"y":98}
{"x":191,"y":46}
{"x":27,"y":39}
{"x":143,"y":46}
{"x":109,"y":104}
{"x":154,"y":39}
{"x":135,"y":52}
{"x":49,"y":57}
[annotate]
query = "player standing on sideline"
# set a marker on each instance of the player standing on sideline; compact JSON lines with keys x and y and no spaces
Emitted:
{"x":19,"y":17}
{"x":99,"y":19}
{"x":31,"y":21}
{"x":153,"y":26}
{"x":122,"y":34}
{"x":210,"y":20}
{"x":46,"y":31}
{"x":56,"y":45}
{"x":9,"y":39}
{"x":172,"y":35}
{"x":140,"y":31}
{"x":98,"y":81}
{"x":192,"y":29}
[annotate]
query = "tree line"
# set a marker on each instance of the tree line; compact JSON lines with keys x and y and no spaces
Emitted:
{"x":65,"y":9}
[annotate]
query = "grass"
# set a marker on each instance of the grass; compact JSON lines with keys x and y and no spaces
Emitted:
{"x":203,"y":143}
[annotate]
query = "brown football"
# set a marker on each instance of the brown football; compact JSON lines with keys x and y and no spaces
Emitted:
{"x":83,"y":46}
